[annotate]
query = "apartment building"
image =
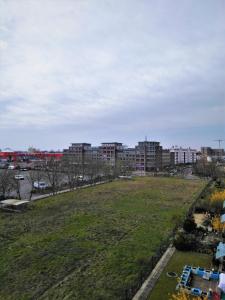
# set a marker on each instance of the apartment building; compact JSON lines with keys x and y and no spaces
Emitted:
{"x":168,"y":158}
{"x":148,"y":156}
{"x":145,"y":156}
{"x":128,"y":157}
{"x":110,"y":151}
{"x":79,"y":152}
{"x":183,"y":155}
{"x":210,"y":154}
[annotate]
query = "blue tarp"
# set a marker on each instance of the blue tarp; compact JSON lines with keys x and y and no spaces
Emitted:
{"x":222,"y":218}
{"x":220,"y":251}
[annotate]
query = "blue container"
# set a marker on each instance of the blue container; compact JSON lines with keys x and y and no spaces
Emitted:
{"x":215,"y":275}
{"x":200,"y":272}
{"x":196,"y":292}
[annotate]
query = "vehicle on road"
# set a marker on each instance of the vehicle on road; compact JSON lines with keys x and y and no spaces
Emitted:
{"x":40,"y":185}
{"x":19,"y":177}
{"x":11,"y":167}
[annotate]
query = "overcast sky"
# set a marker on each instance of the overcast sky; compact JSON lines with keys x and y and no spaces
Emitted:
{"x":113,"y":70}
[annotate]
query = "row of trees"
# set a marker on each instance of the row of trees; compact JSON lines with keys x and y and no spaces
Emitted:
{"x":208,"y":169}
{"x":59,"y":174}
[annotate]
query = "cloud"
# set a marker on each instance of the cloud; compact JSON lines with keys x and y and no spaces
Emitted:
{"x":135,"y":63}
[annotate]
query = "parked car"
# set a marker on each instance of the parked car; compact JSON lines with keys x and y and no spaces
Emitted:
{"x":19,"y":177}
{"x":11,"y":167}
{"x":40,"y":185}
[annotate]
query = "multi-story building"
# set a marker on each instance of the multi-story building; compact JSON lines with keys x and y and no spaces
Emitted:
{"x":183,"y":155}
{"x":148,"y":156}
{"x":210,"y":154}
{"x":167,"y":158}
{"x":127,"y":157}
{"x":79,"y":152}
{"x":109,"y":152}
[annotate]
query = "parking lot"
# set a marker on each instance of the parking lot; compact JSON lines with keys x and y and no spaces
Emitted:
{"x":25,"y":184}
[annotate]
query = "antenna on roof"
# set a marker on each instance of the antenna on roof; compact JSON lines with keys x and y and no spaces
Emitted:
{"x":146,"y":138}
{"x":219,"y":142}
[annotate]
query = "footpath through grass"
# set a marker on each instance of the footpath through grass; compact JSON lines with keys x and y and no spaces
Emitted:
{"x":166,"y":286}
{"x":99,"y":238}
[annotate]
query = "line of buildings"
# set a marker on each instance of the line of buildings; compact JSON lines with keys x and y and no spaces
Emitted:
{"x":211,"y":154}
{"x":145,"y":156}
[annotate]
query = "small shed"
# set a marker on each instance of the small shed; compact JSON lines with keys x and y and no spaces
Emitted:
{"x":13,"y":204}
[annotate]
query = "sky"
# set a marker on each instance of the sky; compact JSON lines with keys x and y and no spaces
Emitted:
{"x":114,"y":70}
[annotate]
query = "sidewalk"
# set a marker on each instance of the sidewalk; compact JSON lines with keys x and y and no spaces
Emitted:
{"x":150,"y":282}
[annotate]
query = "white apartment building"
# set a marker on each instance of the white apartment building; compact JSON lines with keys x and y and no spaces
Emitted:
{"x":183,"y":155}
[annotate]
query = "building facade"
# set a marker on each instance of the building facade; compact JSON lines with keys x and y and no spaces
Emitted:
{"x":168,"y":158}
{"x":184,"y":155}
{"x":110,"y":151}
{"x":78,"y":152}
{"x":211,"y":154}
{"x":146,"y":156}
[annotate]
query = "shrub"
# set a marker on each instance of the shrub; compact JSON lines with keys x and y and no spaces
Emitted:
{"x":185,"y":242}
{"x":189,"y":225}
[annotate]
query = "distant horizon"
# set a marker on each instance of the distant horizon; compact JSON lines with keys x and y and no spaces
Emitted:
{"x":98,"y":144}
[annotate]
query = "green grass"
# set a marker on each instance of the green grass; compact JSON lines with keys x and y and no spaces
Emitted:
{"x":165,"y":286}
{"x":100,"y":236}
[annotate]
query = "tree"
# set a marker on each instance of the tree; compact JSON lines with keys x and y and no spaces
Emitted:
{"x":72,"y":169}
{"x":207,"y":169}
{"x":185,"y":242}
{"x":217,"y":225}
{"x":7,"y":183}
{"x":53,"y":173}
{"x":17,"y":185}
{"x":189,"y":225}
{"x":181,"y":295}
{"x":32,"y":176}
{"x":218,"y":196}
{"x":217,"y":199}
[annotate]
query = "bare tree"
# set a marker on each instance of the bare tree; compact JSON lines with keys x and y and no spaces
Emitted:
{"x":72,"y":169}
{"x":209,"y":169}
{"x":17,"y":185}
{"x":7,"y":184}
{"x":54,"y":175}
{"x":35,"y":176}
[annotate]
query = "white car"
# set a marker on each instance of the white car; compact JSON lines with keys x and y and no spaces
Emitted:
{"x":19,"y":177}
{"x":40,"y":185}
{"x":11,"y":167}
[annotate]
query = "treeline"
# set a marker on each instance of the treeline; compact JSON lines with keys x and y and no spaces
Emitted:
{"x":61,"y":174}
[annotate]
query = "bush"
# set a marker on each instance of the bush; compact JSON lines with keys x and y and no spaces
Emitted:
{"x":189,"y":225}
{"x":185,"y":242}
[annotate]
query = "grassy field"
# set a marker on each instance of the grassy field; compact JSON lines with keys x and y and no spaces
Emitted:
{"x":165,"y":286}
{"x":99,"y":238}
